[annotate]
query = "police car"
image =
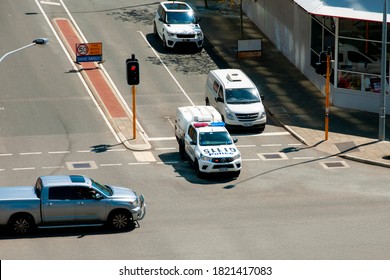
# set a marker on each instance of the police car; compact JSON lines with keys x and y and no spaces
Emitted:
{"x":207,"y":144}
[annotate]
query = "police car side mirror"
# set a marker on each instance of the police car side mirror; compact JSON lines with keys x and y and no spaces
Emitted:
{"x":219,"y":99}
{"x":262,"y":97}
{"x":192,"y":142}
{"x":197,"y":20}
{"x":235,"y":140}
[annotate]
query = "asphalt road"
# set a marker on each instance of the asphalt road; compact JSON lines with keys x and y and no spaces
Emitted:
{"x":288,"y":203}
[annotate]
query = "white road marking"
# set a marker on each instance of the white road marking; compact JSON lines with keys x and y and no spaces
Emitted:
{"x":138,"y":163}
{"x":164,"y":149}
{"x":5,"y":155}
{"x":166,"y":68}
{"x":59,"y":152}
{"x":53,"y":167}
{"x":271,"y":145}
{"x":50,"y":3}
{"x":299,"y":158}
{"x":23,"y":168}
{"x":111,"y":164}
{"x":161,"y":138}
{"x":30,"y":153}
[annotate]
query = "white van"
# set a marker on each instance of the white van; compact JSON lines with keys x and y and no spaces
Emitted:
{"x":236,"y":98}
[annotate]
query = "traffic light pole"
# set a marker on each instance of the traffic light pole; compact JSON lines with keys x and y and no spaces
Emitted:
{"x":132,"y":74}
{"x":134,"y":114}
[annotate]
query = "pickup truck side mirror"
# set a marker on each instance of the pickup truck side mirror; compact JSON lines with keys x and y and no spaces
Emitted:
{"x":97,"y":196}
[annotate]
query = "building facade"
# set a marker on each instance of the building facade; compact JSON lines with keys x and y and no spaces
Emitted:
{"x":304,"y":30}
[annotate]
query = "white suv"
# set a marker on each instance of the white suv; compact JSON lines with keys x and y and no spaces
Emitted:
{"x":175,"y":24}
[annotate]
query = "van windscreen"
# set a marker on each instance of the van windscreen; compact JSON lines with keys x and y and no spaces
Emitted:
{"x":241,"y":96}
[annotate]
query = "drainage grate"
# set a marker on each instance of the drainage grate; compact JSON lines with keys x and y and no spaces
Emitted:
{"x":334,"y":164}
{"x":77,"y":165}
{"x":273,"y":156}
{"x":347,"y":147}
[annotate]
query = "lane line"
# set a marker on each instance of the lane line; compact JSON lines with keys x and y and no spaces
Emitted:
{"x":30,"y":153}
{"x":50,"y":3}
{"x":23,"y":168}
{"x":166,"y":68}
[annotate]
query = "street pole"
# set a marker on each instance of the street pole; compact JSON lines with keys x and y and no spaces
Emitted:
{"x":134,"y":114}
{"x":39,"y":41}
{"x":382,"y":109}
{"x":327,"y":93}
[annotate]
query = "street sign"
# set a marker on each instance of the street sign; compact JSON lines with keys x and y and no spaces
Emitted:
{"x":89,"y":52}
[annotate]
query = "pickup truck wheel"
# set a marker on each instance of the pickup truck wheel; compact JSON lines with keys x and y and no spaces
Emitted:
{"x":21,"y":224}
{"x":199,"y":173}
{"x":119,"y":220}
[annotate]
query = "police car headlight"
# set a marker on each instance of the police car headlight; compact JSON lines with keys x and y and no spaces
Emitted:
{"x":262,"y":115}
{"x":205,"y":158}
{"x":238,"y":156}
{"x":170,"y":34}
{"x":199,"y":34}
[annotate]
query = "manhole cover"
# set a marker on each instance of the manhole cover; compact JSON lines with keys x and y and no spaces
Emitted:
{"x":78,"y":165}
{"x":334,"y":164}
{"x":272,"y":156}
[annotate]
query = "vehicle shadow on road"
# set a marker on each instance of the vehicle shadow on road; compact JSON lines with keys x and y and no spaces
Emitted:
{"x":185,"y":169}
{"x":63,"y":232}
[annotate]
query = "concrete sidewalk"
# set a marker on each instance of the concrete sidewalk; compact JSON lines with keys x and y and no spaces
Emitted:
{"x":290,"y":98}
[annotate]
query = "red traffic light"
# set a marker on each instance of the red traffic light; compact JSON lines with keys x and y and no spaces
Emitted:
{"x":132,"y":72}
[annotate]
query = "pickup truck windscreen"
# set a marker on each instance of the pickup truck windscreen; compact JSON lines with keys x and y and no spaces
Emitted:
{"x":103,"y":188}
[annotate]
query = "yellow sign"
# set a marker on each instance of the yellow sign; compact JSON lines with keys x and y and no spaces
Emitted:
{"x":95,"y":48}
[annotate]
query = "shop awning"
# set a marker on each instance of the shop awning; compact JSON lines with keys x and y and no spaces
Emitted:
{"x":371,"y":10}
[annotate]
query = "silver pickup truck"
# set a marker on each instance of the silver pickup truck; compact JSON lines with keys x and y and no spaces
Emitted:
{"x":68,"y":200}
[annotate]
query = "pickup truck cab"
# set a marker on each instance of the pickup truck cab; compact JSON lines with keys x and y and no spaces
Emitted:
{"x":68,"y":201}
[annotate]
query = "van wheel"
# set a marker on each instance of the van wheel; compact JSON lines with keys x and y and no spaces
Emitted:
{"x":182,"y":150}
{"x":21,"y":224}
{"x":155,"y":30}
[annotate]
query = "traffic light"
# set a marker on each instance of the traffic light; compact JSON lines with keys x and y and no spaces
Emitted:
{"x":132,"y":71}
